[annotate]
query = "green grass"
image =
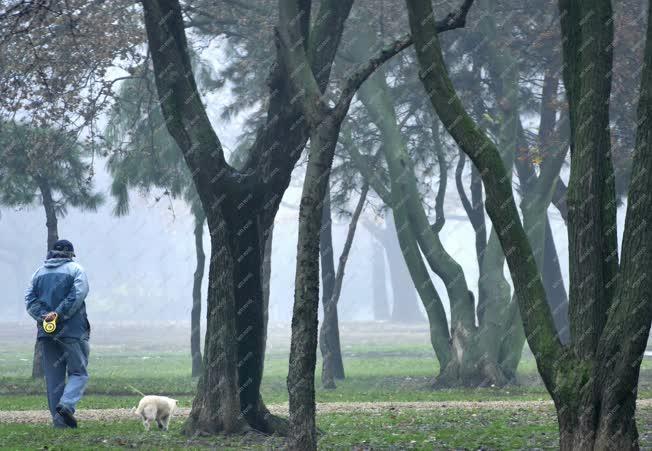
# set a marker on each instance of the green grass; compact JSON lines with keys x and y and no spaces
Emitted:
{"x":405,"y":429}
{"x":374,"y":373}
{"x":381,"y":372}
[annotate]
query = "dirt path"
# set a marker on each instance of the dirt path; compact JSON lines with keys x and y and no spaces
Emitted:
{"x":42,"y":416}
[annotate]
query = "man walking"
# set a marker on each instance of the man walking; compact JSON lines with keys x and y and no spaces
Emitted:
{"x":55,"y":299}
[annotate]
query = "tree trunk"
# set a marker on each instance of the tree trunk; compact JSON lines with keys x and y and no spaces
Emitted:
{"x":267,"y":275}
{"x":553,"y":282}
{"x":329,"y":337}
{"x":51,"y":223}
{"x":217,"y":406}
{"x":328,"y":370}
{"x":240,"y":207}
{"x":378,"y":276}
{"x":228,"y":396}
{"x":301,"y":372}
{"x":590,"y":421}
{"x":405,"y":305}
{"x":195,"y":314}
{"x":439,"y":335}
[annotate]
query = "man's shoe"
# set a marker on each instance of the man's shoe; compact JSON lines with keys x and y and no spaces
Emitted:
{"x":67,"y":416}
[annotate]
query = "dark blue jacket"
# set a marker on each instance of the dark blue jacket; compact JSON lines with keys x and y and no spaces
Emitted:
{"x":60,"y":285}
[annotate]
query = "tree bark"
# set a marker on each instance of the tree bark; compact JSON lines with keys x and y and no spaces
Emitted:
{"x":301,"y":373}
{"x":51,"y":223}
{"x":378,"y":278}
{"x":328,"y":369}
{"x":405,"y":305}
{"x":195,"y":314}
{"x":217,"y":405}
{"x":329,"y":337}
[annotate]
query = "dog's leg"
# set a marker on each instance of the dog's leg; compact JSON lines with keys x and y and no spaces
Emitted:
{"x":166,"y":421}
{"x":163,"y":421}
{"x":146,"y":423}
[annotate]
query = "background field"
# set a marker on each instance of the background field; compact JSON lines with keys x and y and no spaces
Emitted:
{"x":383,"y":362}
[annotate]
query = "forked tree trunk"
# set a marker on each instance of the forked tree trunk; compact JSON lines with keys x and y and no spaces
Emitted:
{"x":195,"y":314}
{"x":467,"y":361}
{"x":240,"y":207}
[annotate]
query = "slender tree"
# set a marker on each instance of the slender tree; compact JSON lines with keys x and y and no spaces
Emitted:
{"x":48,"y":166}
{"x":332,"y":366}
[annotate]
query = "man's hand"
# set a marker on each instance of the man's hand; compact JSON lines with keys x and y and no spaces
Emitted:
{"x":50,"y":316}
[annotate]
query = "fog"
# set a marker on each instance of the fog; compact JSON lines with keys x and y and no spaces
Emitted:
{"x":140,"y":266}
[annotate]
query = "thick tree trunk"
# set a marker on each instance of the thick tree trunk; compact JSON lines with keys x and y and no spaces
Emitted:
{"x":301,"y":373}
{"x":228,"y":395}
{"x":592,"y":424}
{"x":217,"y":406}
{"x":378,"y":276}
{"x":195,"y":314}
{"x":329,"y":336}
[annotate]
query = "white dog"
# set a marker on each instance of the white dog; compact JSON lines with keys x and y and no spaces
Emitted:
{"x":159,"y":408}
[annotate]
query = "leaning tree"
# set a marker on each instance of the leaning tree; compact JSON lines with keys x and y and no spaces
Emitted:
{"x":593,"y":379}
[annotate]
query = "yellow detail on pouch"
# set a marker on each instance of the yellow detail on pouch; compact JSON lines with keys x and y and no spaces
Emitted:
{"x":50,"y":326}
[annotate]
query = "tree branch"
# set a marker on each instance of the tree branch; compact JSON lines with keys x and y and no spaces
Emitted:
{"x":453,"y":20}
{"x":185,"y":115}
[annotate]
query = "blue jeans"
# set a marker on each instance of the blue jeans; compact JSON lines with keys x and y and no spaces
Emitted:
{"x":63,"y":356}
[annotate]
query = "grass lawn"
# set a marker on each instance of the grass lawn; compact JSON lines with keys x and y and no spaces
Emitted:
{"x":373,"y":374}
{"x":376,"y":370}
{"x":405,"y":429}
